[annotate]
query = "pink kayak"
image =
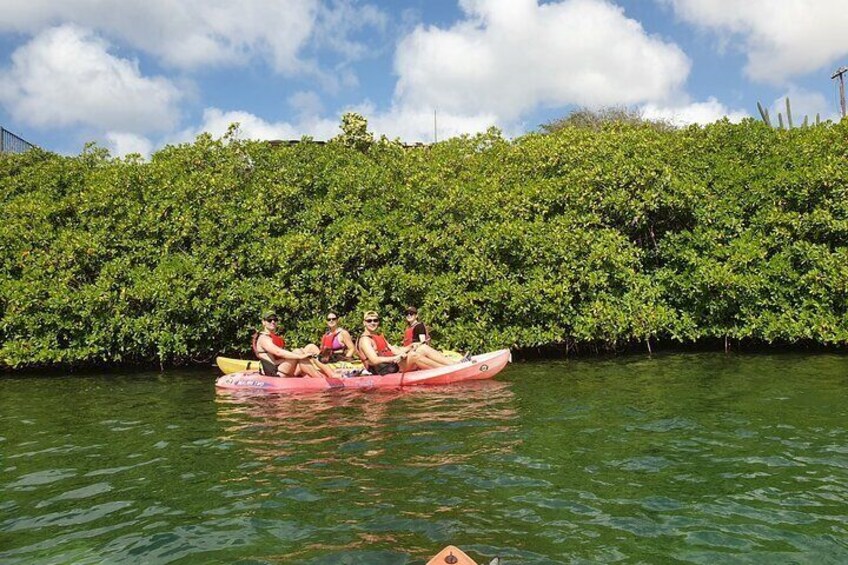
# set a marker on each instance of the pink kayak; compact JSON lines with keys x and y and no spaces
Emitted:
{"x":480,"y":367}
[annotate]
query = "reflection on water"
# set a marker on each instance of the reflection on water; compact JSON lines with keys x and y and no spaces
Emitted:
{"x":376,"y":454}
{"x":695,"y":458}
{"x":374,"y":430}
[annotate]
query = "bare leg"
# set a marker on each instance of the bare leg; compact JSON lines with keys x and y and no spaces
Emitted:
{"x":306,"y":367}
{"x":298,"y":368}
{"x":287,"y":368}
{"x":415,"y":361}
{"x":328,"y":372}
{"x":432,"y":355}
{"x":311,"y":348}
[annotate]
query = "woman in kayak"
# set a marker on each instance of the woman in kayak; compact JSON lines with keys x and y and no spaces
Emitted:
{"x":382,"y":358}
{"x":417,"y":335}
{"x":278,"y":361}
{"x":336,"y":343}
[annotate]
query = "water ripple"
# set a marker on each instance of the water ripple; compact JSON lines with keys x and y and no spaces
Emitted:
{"x":698,"y":459}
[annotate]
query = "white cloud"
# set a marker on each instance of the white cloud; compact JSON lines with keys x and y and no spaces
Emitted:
{"x":802,"y":103}
{"x":196,"y":33}
{"x":66,"y":76}
{"x":508,"y":57}
{"x":782,"y":39}
{"x":306,"y":103}
{"x":694,"y":113}
{"x":121,"y":144}
{"x":216,"y":122}
{"x":411,"y":125}
{"x":408,"y":125}
{"x":336,"y":23}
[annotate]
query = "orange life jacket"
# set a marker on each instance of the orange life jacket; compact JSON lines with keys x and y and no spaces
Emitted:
{"x":409,"y":339}
{"x":275,"y":339}
{"x":381,"y":346}
{"x":327,"y":342}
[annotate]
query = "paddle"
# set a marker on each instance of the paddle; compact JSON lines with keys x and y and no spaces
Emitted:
{"x":403,"y":373}
{"x":334,"y":381}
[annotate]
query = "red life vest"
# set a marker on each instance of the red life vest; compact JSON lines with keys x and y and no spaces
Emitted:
{"x":327,"y":341}
{"x":409,"y":339}
{"x":275,"y":339}
{"x":380,"y":345}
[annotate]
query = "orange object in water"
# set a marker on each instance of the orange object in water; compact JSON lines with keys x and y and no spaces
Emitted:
{"x":451,"y":556}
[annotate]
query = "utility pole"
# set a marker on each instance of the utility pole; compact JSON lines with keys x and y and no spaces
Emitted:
{"x":840,"y":72}
{"x":436,"y":128}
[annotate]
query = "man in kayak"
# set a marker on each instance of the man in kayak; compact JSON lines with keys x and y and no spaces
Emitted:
{"x":417,"y":335}
{"x":382,"y":358}
{"x":336,"y":343}
{"x":278,"y":361}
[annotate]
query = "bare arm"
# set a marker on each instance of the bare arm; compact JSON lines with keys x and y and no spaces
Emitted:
{"x":367,"y":346}
{"x":267,"y":345}
{"x":345,"y":338}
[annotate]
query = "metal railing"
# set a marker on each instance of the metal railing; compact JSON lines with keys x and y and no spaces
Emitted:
{"x":11,"y":143}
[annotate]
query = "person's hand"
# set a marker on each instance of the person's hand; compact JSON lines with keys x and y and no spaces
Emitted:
{"x":304,"y":355}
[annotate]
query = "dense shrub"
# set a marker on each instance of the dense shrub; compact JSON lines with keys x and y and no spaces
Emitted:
{"x":609,"y":237}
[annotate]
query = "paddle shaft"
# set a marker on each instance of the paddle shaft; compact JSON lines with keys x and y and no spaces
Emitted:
{"x":331,"y":380}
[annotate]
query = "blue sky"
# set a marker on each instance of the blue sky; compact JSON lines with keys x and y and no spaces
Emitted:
{"x":135,"y":75}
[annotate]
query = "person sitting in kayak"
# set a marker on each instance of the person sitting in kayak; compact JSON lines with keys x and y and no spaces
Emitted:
{"x":336,"y":343}
{"x":277,"y":361}
{"x":416,"y":335}
{"x":416,"y":331}
{"x":382,"y":358}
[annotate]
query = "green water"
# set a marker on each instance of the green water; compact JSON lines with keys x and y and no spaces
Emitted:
{"x":680,"y":458}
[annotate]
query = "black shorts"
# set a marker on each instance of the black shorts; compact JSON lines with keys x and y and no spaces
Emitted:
{"x":385,"y":368}
{"x":333,"y":357}
{"x":268,"y":368}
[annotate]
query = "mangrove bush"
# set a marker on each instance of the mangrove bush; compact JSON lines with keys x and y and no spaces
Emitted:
{"x":612,"y":236}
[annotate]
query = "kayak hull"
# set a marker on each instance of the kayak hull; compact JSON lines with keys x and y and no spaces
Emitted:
{"x":229,"y":365}
{"x":480,"y":367}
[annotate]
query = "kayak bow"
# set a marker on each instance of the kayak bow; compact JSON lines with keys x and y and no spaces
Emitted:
{"x":451,"y":555}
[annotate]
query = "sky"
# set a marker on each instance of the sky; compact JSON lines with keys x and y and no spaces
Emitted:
{"x":136,"y":75}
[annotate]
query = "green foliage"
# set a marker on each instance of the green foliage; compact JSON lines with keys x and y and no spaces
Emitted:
{"x":598,"y":119}
{"x":355,"y":132}
{"x":605,"y":237}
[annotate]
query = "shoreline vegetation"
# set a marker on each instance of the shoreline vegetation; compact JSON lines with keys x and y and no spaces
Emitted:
{"x":594,"y":239}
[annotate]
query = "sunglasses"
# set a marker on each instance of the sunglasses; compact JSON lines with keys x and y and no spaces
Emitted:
{"x":372,"y":320}
{"x":411,"y":314}
{"x":331,"y":318}
{"x":271,"y":320}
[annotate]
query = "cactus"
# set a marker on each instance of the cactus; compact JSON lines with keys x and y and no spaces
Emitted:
{"x":788,"y":113}
{"x":764,"y":113}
